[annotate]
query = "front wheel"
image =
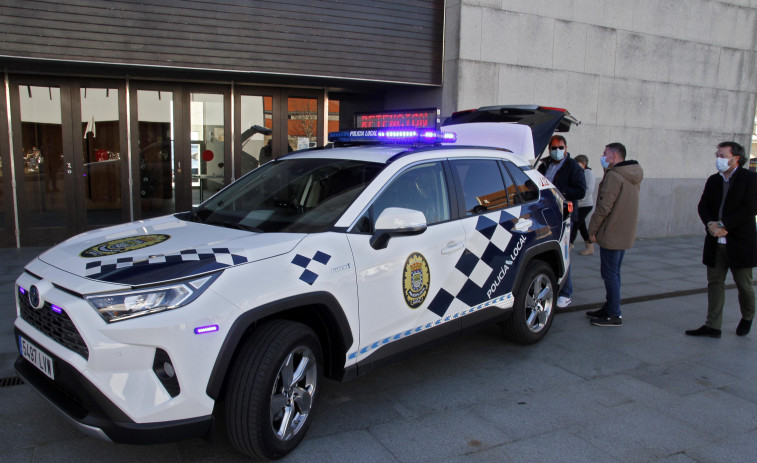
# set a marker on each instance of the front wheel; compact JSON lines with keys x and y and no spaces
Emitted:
{"x":534,"y":306}
{"x":273,"y":389}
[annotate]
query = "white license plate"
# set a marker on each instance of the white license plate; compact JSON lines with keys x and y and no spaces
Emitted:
{"x":38,"y":358}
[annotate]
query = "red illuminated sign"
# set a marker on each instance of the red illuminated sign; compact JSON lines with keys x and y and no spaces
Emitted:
{"x":419,"y":118}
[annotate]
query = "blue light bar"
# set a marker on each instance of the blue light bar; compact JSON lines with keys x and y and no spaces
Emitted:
{"x":56,"y":309}
{"x":394,"y":135}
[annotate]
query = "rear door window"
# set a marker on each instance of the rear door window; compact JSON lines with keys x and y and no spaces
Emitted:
{"x":482,"y":185}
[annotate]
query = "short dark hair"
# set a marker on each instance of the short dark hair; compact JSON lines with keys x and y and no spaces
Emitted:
{"x":618,"y":148}
{"x":736,"y":150}
{"x":558,"y":137}
{"x":582,"y":158}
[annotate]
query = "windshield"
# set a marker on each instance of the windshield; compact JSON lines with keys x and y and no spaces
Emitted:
{"x":294,"y":195}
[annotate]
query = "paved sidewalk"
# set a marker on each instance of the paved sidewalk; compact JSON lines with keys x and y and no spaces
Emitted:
{"x":642,"y":392}
{"x":653,"y":268}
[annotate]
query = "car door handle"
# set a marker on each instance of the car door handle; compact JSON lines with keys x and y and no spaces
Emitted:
{"x":452,"y":247}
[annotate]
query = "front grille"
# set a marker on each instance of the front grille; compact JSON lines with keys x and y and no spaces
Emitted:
{"x":57,"y":326}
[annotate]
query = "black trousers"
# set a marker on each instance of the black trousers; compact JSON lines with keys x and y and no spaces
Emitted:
{"x":581,"y":224}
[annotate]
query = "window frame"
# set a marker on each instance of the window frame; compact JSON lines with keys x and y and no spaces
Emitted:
{"x":507,"y":170}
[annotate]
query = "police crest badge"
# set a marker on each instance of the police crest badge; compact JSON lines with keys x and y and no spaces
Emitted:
{"x":416,"y":280}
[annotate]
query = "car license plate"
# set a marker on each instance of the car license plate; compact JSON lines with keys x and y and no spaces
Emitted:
{"x":38,"y":358}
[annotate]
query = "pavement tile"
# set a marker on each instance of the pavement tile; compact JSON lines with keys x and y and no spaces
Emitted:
{"x":736,"y":448}
{"x":19,"y":456}
{"x":639,"y":434}
{"x":87,"y":449}
{"x":561,"y":446}
{"x":437,"y":436}
{"x":714,"y":412}
{"x":683,"y":378}
{"x":353,"y":446}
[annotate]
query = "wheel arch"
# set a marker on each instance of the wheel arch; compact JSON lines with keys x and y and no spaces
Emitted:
{"x":320,"y":311}
{"x":549,"y":253}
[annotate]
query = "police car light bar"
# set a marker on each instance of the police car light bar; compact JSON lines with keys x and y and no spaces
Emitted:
{"x":394,"y":135}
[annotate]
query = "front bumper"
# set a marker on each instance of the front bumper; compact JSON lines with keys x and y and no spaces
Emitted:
{"x":94,"y":414}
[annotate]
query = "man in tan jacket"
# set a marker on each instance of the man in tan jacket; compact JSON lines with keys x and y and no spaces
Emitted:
{"x":613,"y":226}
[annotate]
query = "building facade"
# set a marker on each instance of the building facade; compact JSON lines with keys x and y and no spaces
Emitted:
{"x":122,"y":110}
{"x":668,"y":79}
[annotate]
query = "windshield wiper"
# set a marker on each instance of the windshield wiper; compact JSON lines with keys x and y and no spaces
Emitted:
{"x":235,"y":225}
{"x":194,"y":217}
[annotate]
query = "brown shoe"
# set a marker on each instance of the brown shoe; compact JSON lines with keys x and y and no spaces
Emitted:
{"x":588,"y":251}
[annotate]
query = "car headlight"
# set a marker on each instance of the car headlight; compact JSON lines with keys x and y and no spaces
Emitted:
{"x":115,"y":307}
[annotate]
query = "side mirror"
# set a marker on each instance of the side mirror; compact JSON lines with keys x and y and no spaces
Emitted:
{"x":395,"y":221}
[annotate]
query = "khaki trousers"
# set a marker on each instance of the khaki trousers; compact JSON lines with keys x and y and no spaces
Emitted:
{"x":716,"y":289}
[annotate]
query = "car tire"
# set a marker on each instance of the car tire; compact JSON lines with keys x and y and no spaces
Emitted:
{"x":273,"y":388}
{"x":534,"y":306}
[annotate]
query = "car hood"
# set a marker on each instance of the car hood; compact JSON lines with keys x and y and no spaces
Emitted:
{"x":163,"y":249}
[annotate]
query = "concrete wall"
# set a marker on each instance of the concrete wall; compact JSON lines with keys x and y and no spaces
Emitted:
{"x":667,"y":78}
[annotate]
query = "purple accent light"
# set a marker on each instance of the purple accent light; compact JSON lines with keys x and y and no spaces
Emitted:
{"x":206,"y":329}
{"x":21,"y":290}
{"x":56,"y":309}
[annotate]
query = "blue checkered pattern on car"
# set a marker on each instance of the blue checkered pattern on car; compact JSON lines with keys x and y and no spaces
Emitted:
{"x":486,"y":252}
{"x":308,"y":274}
{"x":192,"y":261}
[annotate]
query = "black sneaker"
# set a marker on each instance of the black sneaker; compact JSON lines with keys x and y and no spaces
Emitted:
{"x":704,"y":330}
{"x":601,"y":313}
{"x":607,"y":320}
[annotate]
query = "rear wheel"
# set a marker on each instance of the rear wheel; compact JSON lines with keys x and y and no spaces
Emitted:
{"x":273,"y":389}
{"x":534,"y":306}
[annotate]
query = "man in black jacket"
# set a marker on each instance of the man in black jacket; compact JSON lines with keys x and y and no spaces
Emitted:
{"x":727,"y":208}
{"x":565,"y":173}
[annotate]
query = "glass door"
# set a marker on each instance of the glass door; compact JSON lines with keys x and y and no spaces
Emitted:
{"x":43,"y":161}
{"x":102,"y":157}
{"x":207,"y":137}
{"x":304,"y":118}
{"x":7,"y":222}
{"x":153,"y":175}
{"x":256,"y":125}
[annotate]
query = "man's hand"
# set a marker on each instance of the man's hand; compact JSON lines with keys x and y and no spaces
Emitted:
{"x":716,"y":230}
{"x":593,"y":238}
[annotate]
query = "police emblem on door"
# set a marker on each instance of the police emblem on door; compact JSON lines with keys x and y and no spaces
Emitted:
{"x":416,"y":280}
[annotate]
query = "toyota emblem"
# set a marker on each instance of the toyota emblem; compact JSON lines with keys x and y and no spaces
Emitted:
{"x":34,"y":298}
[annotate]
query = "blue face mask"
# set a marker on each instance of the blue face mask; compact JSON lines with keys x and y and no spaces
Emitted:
{"x":605,"y":163}
{"x":557,"y":154}
{"x":722,"y":164}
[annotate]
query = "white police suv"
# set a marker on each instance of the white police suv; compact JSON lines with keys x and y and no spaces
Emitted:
{"x":330,"y":261}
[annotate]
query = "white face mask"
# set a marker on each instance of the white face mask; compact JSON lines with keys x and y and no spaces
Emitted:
{"x":722,"y":164}
{"x":557,"y":154}
{"x":605,"y":163}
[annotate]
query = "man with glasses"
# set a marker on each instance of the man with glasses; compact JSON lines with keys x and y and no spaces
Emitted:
{"x":727,"y":209}
{"x":565,"y":173}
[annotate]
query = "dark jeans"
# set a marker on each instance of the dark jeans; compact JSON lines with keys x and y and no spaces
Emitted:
{"x":716,"y":289}
{"x":581,"y":225}
{"x":610,"y":261}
